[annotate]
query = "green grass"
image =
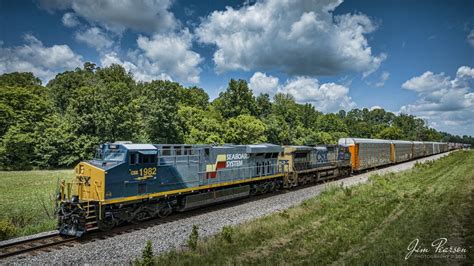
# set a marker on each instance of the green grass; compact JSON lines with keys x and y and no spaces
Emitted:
{"x":27,"y":201}
{"x":368,"y":224}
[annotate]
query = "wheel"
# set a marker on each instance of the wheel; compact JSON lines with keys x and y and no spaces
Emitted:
{"x":165,"y":211}
{"x":140,"y":217}
{"x":105,"y":225}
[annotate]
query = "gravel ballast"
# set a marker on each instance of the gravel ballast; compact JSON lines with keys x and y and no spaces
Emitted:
{"x":126,"y":247}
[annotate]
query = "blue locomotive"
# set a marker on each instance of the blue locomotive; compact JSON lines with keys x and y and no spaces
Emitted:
{"x":129,"y":182}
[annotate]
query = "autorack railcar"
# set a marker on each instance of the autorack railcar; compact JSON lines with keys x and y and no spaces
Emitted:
{"x":418,"y":149}
{"x":401,"y":150}
{"x":367,"y":153}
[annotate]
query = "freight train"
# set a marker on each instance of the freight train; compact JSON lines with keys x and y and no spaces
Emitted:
{"x":130,"y":183}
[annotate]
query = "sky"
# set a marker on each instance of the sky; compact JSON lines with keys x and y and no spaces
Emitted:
{"x":414,"y":57}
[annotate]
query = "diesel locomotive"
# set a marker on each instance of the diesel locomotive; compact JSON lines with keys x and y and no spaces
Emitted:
{"x":130,"y":183}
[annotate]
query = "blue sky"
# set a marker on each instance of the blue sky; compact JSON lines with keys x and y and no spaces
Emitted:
{"x":414,"y":57}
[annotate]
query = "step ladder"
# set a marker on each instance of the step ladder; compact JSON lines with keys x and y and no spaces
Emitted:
{"x":91,"y":217}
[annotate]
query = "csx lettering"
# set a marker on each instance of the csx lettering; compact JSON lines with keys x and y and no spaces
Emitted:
{"x":84,"y":179}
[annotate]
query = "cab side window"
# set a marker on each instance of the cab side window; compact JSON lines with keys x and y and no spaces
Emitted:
{"x":148,"y":158}
{"x":138,"y":158}
{"x":133,"y":158}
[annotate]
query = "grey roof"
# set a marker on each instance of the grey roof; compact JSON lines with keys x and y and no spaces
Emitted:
{"x":263,"y":148}
{"x":139,"y":146}
{"x":301,"y":148}
{"x":401,"y":142}
{"x":347,"y":141}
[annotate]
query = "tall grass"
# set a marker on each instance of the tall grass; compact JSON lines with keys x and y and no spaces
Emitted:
{"x":27,"y":201}
{"x":367,"y":224}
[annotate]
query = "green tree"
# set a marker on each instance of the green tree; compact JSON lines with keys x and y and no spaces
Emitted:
{"x":64,"y":85}
{"x":17,"y":149}
{"x":263,"y":105}
{"x":28,"y":105}
{"x":309,"y":116}
{"x":7,"y":115}
{"x":245,"y":129}
{"x":331,"y":123}
{"x":392,"y":132}
{"x":19,"y":79}
{"x":53,"y":143}
{"x":113,"y":73}
{"x":408,"y":125}
{"x":238,"y":99}
{"x":195,"y":97}
{"x":21,"y":109}
{"x":200,"y":126}
{"x":278,"y":130}
{"x":319,"y":138}
{"x":159,"y":103}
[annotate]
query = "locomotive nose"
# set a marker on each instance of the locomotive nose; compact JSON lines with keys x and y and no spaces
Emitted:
{"x":90,"y":182}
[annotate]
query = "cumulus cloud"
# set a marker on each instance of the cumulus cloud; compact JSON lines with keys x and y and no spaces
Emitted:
{"x":70,"y":20}
{"x":470,"y":38}
{"x":447,"y":104}
{"x":163,"y":56}
{"x":427,"y":82}
{"x":375,"y":107}
{"x":138,"y":69}
{"x":34,"y":57}
{"x":383,"y":78}
{"x":95,"y":38}
{"x":163,"y":52}
{"x":298,"y":37}
{"x":52,"y":5}
{"x":326,"y":97}
{"x":143,"y":15}
{"x":261,"y":83}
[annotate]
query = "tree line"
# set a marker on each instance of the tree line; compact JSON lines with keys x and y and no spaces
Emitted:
{"x":59,"y":124}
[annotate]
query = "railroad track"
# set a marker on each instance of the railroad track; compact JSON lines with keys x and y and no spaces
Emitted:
{"x":54,"y":241}
{"x":42,"y":243}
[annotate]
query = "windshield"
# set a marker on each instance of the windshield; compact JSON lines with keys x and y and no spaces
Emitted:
{"x":114,"y":155}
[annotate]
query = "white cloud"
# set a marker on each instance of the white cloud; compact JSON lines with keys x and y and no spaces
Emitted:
{"x":142,"y":15}
{"x":70,"y":20}
{"x":375,"y":107}
{"x":298,"y":37}
{"x":95,"y":38}
{"x":261,"y":83}
{"x":427,"y":82}
{"x":326,"y":97}
{"x":447,"y":104}
{"x":383,"y":78}
{"x":470,"y":38}
{"x":163,"y":56}
{"x":34,"y":57}
{"x":139,"y":69}
{"x":465,"y":72}
{"x":51,"y":5}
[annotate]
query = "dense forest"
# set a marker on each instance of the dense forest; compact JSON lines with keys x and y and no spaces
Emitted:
{"x":61,"y":123}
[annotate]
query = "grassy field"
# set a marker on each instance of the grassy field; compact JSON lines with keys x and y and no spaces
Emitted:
{"x":372,"y":223}
{"x":27,"y":201}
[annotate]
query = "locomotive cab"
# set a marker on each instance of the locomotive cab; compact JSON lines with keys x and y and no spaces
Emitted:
{"x":80,"y":200}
